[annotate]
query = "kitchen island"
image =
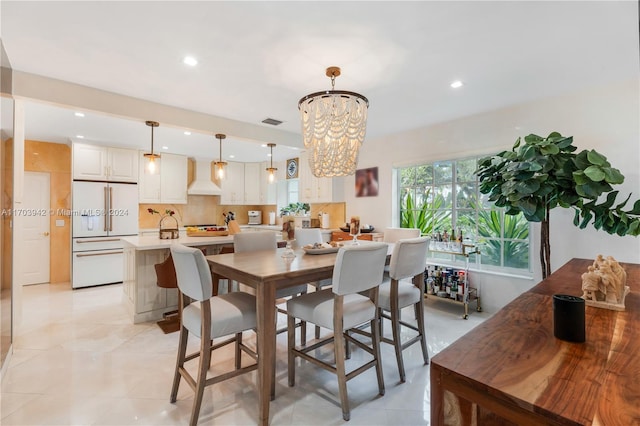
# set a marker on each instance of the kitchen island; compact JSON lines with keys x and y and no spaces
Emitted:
{"x":146,"y":301}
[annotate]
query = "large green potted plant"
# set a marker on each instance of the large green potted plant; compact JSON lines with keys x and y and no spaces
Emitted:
{"x":541,"y":174}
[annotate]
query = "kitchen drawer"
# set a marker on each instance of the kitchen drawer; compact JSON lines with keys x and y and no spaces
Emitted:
{"x":97,"y":267}
{"x":345,"y":236}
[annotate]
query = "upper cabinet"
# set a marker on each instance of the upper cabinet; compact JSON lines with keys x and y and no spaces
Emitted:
{"x":246,"y":183}
{"x":314,"y":189}
{"x":233,"y":184}
{"x":252,"y":184}
{"x":169,"y":186}
{"x":92,"y":162}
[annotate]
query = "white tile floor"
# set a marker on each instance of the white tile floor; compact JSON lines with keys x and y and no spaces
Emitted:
{"x":78,"y":361}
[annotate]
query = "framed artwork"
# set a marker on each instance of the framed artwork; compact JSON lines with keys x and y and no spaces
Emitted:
{"x":367,"y":182}
{"x":292,"y":168}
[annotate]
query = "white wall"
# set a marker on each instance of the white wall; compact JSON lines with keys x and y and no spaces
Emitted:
{"x":606,"y":119}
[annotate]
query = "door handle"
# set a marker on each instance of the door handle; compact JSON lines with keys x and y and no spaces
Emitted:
{"x":46,"y":234}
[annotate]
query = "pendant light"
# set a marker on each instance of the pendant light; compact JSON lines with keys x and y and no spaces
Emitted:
{"x":334,"y":123}
{"x":153,"y":160}
{"x":271,"y":170}
{"x":220,"y":165}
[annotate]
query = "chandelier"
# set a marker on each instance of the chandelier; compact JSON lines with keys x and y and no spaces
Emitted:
{"x":271,"y":170}
{"x":334,"y":123}
{"x":219,"y":165}
{"x":152,"y":158}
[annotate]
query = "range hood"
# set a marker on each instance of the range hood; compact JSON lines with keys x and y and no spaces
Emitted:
{"x":202,"y":184}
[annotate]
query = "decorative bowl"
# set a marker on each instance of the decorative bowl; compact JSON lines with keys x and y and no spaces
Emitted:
{"x":362,"y":230}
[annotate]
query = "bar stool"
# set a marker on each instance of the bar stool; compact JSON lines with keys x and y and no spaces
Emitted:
{"x":166,"y":278}
{"x":407,"y":261}
{"x":208,"y":317}
{"x":306,"y":236}
{"x":266,"y":240}
{"x":342,"y":308}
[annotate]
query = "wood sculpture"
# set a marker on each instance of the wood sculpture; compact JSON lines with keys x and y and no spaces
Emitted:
{"x":604,"y":284}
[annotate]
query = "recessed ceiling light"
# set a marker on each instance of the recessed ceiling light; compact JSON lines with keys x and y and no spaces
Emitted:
{"x":79,"y":114}
{"x":232,"y":156}
{"x":457,"y":84}
{"x":269,"y":155}
{"x":264,"y":145}
{"x":165,"y":147}
{"x":190,"y":60}
{"x":79,"y":136}
{"x":188,"y":133}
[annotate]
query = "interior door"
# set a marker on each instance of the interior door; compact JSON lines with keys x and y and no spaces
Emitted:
{"x":36,"y":228}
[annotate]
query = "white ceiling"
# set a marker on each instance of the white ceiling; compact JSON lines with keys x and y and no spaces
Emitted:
{"x":257,"y":59}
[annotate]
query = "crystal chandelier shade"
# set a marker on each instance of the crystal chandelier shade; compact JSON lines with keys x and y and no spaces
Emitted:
{"x":334,"y":124}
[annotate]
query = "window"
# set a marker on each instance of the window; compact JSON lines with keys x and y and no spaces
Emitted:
{"x":443,"y":196}
{"x":292,"y":191}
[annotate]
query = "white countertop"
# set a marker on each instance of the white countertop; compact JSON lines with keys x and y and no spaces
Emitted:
{"x":153,"y":242}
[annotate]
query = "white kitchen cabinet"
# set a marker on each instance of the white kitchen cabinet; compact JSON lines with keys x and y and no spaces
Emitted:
{"x":167,"y":187}
{"x":313,"y":189}
{"x":91,"y":162}
{"x":233,"y":184}
{"x":252,"y":184}
{"x":246,"y":183}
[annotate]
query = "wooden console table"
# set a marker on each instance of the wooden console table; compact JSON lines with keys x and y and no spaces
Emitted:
{"x":512,"y":370}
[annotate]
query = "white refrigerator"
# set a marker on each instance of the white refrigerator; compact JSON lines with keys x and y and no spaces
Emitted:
{"x":102,"y":213}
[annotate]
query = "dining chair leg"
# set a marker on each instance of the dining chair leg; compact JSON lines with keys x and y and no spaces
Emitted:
{"x":421,"y":330}
{"x":303,"y":333}
{"x":339,"y":348}
{"x":203,"y":367}
{"x":375,"y":343}
{"x":291,"y":340}
{"x":347,"y":347}
{"x":182,"y":351}
{"x":397,"y":344}
{"x":317,"y":332}
{"x":238,"y":351}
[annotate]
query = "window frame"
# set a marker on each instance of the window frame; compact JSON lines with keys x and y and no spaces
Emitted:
{"x":475,"y":261}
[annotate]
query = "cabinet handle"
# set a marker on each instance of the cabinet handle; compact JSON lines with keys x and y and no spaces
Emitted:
{"x":96,"y":241}
{"x":98,"y":254}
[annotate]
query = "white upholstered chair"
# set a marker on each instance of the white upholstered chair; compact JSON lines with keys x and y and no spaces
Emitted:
{"x":340,"y":308}
{"x":391,"y":235}
{"x":306,"y":236}
{"x":208,"y":317}
{"x":267,"y":240}
{"x":407,"y":262}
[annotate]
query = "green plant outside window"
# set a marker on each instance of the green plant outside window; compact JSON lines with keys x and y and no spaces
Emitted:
{"x":444,"y":196}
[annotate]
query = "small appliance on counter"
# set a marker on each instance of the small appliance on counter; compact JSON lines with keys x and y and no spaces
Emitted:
{"x":255,"y":217}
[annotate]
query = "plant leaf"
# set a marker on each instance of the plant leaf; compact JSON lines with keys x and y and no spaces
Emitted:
{"x":613,"y":176}
{"x":596,"y":158}
{"x":594,"y":173}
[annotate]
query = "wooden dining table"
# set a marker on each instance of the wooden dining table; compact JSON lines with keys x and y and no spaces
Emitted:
{"x":265,"y":272}
{"x":512,"y":370}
